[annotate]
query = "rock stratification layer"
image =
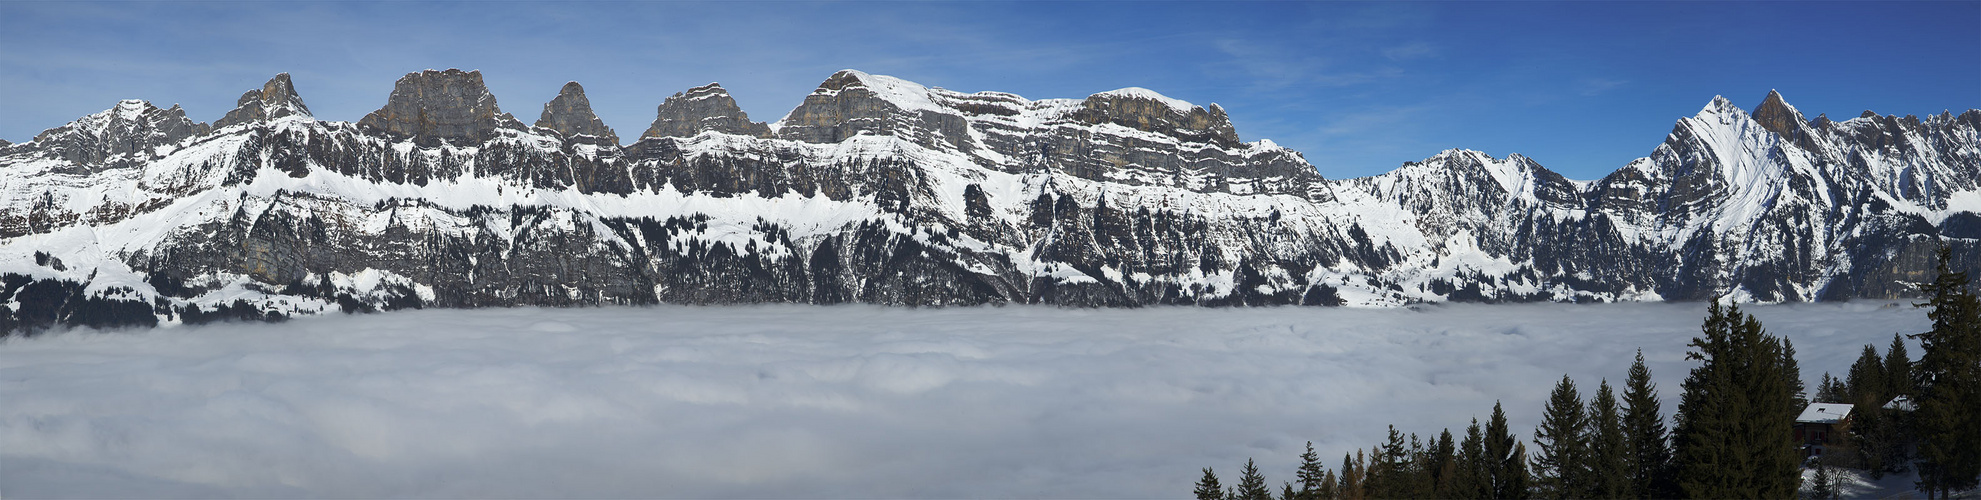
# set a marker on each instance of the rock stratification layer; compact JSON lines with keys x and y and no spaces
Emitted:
{"x":879,"y":190}
{"x":705,"y":108}
{"x":570,"y":113}
{"x":440,"y":105}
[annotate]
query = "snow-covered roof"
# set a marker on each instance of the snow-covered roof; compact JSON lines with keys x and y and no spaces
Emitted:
{"x":1823,"y":413}
{"x":1901,"y":403}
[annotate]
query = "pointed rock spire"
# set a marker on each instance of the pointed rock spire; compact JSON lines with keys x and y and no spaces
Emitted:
{"x":570,"y":113}
{"x":1777,"y":116}
{"x":274,"y":99}
{"x":704,"y":108}
{"x":433,"y":105}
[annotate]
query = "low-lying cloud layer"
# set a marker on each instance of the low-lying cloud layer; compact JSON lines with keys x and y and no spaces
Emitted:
{"x":801,"y":401}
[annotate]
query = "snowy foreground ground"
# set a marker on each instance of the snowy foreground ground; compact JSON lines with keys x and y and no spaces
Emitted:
{"x":802,"y":401}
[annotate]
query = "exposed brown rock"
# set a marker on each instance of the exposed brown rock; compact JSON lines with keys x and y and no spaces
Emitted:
{"x":1151,"y":115}
{"x":704,"y":108}
{"x":435,"y":105}
{"x":1777,"y":116}
{"x":570,"y":113}
{"x":274,"y":99}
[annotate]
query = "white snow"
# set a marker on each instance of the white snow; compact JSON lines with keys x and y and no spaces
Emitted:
{"x":1178,"y":105}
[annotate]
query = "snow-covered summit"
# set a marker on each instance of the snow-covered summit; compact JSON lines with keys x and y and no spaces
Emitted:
{"x":881,"y":190}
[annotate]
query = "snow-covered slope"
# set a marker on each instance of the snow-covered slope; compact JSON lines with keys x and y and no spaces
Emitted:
{"x":881,"y":190}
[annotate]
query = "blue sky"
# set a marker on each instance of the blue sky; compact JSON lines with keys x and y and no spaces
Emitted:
{"x":1358,"y":87}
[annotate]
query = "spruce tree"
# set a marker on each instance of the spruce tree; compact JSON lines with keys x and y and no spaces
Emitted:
{"x":1875,"y":430}
{"x":1351,"y":478}
{"x":1609,"y":447}
{"x":1472,"y":479}
{"x":1251,"y":485}
{"x":1792,"y":376}
{"x":1208,"y":487}
{"x":1831,"y":390}
{"x":1506,"y":458}
{"x":1561,"y":461}
{"x":1947,"y":380}
{"x":1388,"y":474}
{"x":1865,"y":383}
{"x":1443,"y":466}
{"x":1825,"y":487}
{"x":1311,"y":475}
{"x":1286,"y":491}
{"x":1644,"y":422}
{"x":1898,"y":370}
{"x":1733,"y":438}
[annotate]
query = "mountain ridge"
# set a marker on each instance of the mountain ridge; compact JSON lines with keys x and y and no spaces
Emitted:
{"x":880,"y":190}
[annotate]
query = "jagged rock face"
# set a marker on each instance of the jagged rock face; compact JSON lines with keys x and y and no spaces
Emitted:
{"x":1147,"y":111}
{"x":1775,"y":115}
{"x":121,"y":137}
{"x":705,"y":108}
{"x":432,"y":106}
{"x":140,"y":217}
{"x":571,"y":114}
{"x":274,"y":99}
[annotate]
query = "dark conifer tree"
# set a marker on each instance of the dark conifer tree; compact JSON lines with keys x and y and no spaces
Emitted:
{"x":1312,"y":475}
{"x":1831,"y":390}
{"x":1506,"y":458}
{"x":1733,"y":438}
{"x":1609,"y":447}
{"x":1473,"y":476}
{"x":1208,"y":487}
{"x":1388,"y":473}
{"x":1881,"y":447}
{"x":1644,"y":422}
{"x":1898,"y":370}
{"x":1866,"y":380}
{"x":1561,"y":460}
{"x":1792,"y":376}
{"x":1351,"y":478}
{"x":1286,"y":491}
{"x":1947,"y":382}
{"x":1251,"y":485}
{"x":1443,"y":466}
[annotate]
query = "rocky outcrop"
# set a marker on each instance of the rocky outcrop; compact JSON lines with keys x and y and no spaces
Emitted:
{"x":700,"y":109}
{"x":1147,"y":111}
{"x":433,"y":106}
{"x":570,"y":114}
{"x":1775,"y":115}
{"x":274,"y":99}
{"x":122,"y":137}
{"x":878,"y":190}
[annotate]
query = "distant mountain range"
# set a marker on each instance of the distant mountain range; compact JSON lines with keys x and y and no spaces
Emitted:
{"x":879,"y":190}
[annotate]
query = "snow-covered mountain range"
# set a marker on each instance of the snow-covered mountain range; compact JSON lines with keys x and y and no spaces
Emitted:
{"x":880,"y":190}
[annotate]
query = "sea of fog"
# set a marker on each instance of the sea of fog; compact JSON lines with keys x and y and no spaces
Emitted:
{"x":807,"y":401}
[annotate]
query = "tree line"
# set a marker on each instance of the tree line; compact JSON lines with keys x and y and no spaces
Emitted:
{"x":1731,"y":435}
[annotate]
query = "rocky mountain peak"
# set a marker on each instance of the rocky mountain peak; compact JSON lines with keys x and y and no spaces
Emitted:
{"x":1149,"y":111}
{"x":705,"y":108}
{"x":127,"y":133}
{"x":1777,"y":116}
{"x":570,"y":113}
{"x":274,"y":99}
{"x":1720,"y":106}
{"x":850,"y":103}
{"x":434,"y":105}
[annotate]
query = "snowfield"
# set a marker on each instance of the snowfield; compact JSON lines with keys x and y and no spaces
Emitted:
{"x":807,"y":401}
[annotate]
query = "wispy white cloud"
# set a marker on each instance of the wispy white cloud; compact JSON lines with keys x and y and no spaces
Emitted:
{"x":1412,"y":50}
{"x":1597,"y":86}
{"x":793,"y":401}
